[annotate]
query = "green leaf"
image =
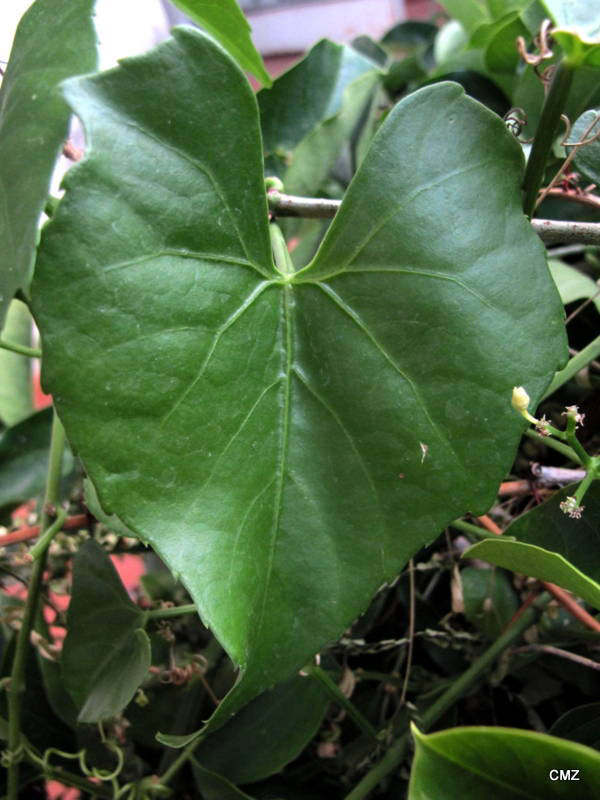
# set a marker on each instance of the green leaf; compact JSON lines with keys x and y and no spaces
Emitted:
{"x":489,"y":599}
{"x":225,"y":20}
{"x":54,"y":40}
{"x":573,"y":284}
{"x":106,"y":654}
{"x":507,"y":763}
{"x":316,"y":153}
{"x":271,"y":731}
{"x":307,"y":95}
{"x":470,"y":13}
{"x":581,"y":724}
{"x":16,"y":395}
{"x":253,"y":425}
{"x":412,"y":33}
{"x":578,"y":540}
{"x":577,"y":30}
{"x":538,"y":563}
{"x":24,"y":460}
{"x":216,"y":787}
{"x":587,"y":158}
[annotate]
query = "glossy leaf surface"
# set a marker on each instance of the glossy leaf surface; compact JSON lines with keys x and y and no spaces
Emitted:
{"x":506,"y":763}
{"x":225,"y":20}
{"x":54,"y":40}
{"x":293,"y":438}
{"x":106,"y":654}
{"x":539,"y":563}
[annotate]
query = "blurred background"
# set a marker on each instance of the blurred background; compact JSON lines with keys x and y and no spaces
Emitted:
{"x":282,"y":29}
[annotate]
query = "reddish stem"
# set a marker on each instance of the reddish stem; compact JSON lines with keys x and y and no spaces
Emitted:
{"x":24,"y":534}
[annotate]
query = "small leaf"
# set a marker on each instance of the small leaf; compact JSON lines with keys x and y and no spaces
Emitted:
{"x":16,"y":394}
{"x":573,"y":284}
{"x":506,"y":763}
{"x":106,"y":654}
{"x":305,"y":96}
{"x":271,"y":731}
{"x":225,"y":20}
{"x":410,"y":34}
{"x":54,"y":40}
{"x":577,"y":30}
{"x":587,"y":157}
{"x":537,"y":563}
{"x":489,"y":599}
{"x":470,"y":13}
{"x":577,"y":540}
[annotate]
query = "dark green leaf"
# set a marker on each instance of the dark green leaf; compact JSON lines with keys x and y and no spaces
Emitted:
{"x":307,"y":95}
{"x":261,"y":448}
{"x":106,"y":654}
{"x":538,"y":563}
{"x":54,"y":40}
{"x":16,"y":395}
{"x":506,"y":763}
{"x":225,"y":20}
{"x":370,"y":49}
{"x":24,"y":460}
{"x":578,"y":540}
{"x":267,"y":734}
{"x":489,"y":599}
{"x":410,"y":34}
{"x":581,"y":724}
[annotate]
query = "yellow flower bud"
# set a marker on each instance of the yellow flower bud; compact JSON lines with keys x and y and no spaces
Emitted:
{"x":520,"y":403}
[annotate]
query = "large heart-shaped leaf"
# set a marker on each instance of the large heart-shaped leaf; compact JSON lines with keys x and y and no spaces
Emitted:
{"x":287,"y":441}
{"x":54,"y":40}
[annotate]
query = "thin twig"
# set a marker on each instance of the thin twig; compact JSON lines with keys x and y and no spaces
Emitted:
{"x":411,"y":630}
{"x":556,"y":476}
{"x":557,"y":651}
{"x":549,"y":230}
